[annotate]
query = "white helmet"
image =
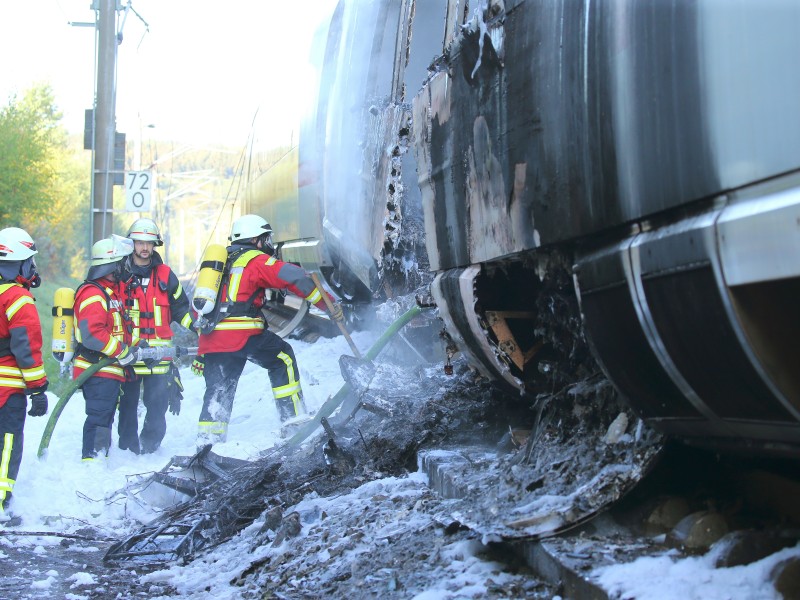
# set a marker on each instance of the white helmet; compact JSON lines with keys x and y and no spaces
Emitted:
{"x":145,"y":230}
{"x":247,"y":227}
{"x":16,"y":244}
{"x":106,"y":253}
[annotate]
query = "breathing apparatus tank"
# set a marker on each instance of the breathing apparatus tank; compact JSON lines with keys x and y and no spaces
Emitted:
{"x":63,"y":325}
{"x":209,"y":279}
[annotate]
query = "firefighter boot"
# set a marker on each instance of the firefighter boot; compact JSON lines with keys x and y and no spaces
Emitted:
{"x":211,"y":432}
{"x":286,"y":408}
{"x":102,"y":441}
{"x":5,"y":515}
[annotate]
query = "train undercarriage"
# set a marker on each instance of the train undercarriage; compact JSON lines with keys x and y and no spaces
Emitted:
{"x":690,"y":319}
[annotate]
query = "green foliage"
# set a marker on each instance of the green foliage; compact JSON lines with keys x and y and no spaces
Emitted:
{"x":28,"y":134}
{"x":44,"y":182}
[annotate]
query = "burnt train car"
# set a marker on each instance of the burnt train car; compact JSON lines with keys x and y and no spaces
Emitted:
{"x":611,"y":177}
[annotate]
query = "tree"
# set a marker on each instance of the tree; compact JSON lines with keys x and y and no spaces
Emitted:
{"x":44,"y":184}
{"x":28,"y":133}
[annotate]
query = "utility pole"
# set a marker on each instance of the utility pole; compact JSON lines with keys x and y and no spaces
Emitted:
{"x":104,"y":121}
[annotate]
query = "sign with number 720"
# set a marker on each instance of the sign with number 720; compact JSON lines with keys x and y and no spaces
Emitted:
{"x":139,"y":186}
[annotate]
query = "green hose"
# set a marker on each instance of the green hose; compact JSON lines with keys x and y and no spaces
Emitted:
{"x":65,"y":396}
{"x":332,"y":403}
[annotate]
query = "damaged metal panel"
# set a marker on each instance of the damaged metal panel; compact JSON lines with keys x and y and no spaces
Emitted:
{"x":473,"y":201}
{"x":369,"y":196}
{"x":696,"y":338}
{"x":457,"y":15}
{"x":443,"y":228}
{"x":601,"y":113}
{"x":454,"y":293}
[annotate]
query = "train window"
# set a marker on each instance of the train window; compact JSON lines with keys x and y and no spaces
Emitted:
{"x":425,"y":42}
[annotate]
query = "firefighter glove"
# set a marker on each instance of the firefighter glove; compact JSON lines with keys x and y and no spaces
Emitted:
{"x":38,"y":404}
{"x":337,"y":314}
{"x":127,"y":357}
{"x":198,"y":364}
{"x":176,"y":392}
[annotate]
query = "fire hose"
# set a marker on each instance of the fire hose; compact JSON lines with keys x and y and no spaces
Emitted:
{"x":155,"y":353}
{"x":333,"y":402}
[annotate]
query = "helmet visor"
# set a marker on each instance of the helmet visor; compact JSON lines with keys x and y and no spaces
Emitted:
{"x":120,"y":246}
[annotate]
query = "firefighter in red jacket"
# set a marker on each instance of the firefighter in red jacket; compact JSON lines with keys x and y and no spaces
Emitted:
{"x":241,"y":334}
{"x":100,"y":330}
{"x":154,"y":298}
{"x":21,"y":367}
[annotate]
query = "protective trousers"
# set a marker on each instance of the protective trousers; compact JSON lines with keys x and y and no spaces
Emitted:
{"x":223,"y":369}
{"x":156,"y":395}
{"x":12,"y":422}
{"x":101,"y":395}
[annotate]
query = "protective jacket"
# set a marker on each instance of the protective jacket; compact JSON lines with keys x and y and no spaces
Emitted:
{"x":154,"y":298}
{"x":100,"y":328}
{"x":250,"y":273}
{"x":21,"y":365}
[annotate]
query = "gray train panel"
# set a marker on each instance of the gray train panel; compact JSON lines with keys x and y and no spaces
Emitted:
{"x":562,"y":119}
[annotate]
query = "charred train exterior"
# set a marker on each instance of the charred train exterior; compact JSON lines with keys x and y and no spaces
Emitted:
{"x":658,"y":144}
{"x":644,"y":155}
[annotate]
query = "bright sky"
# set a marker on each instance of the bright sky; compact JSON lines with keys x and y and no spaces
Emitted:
{"x":198,"y":71}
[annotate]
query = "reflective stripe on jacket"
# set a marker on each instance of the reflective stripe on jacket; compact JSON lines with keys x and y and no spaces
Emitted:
{"x":99,"y":326}
{"x":21,"y":367}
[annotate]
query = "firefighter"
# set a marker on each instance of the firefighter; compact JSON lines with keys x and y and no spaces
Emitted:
{"x":101,"y":330}
{"x":21,"y":367}
{"x":242,"y":334}
{"x":154,"y":298}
